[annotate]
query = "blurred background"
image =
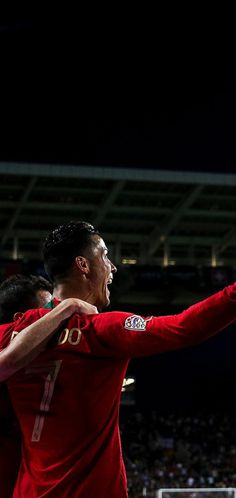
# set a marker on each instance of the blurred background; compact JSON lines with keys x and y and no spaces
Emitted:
{"x":137,"y":138}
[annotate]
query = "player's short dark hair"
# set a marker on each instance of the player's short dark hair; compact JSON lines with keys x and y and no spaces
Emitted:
{"x":19,"y":293}
{"x":63,"y":244}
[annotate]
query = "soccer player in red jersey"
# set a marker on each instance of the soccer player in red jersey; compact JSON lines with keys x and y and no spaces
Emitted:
{"x":17,"y":294}
{"x":67,"y":401}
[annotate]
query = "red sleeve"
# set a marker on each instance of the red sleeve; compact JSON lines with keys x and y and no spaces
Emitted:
{"x":27,"y":319}
{"x":125,"y":335}
{"x":5,"y":335}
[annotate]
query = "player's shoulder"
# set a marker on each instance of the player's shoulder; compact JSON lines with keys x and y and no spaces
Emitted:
{"x":29,"y":317}
{"x":111,"y":315}
{"x":109,"y":318}
{"x":4,"y":327}
{"x":6,"y":330}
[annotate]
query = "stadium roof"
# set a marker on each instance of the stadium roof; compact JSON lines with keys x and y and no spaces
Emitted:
{"x":147,"y":216}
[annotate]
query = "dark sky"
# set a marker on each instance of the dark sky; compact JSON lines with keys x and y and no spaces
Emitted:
{"x":159,"y":105}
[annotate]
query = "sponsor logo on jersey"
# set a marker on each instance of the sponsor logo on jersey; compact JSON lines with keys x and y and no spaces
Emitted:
{"x":135,"y":322}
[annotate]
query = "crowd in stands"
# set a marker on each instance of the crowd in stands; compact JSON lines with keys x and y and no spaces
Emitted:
{"x":169,"y":451}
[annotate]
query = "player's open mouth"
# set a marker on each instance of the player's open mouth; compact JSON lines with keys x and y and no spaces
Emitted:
{"x":109,"y":282}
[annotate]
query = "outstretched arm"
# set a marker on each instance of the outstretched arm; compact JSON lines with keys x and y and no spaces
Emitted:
{"x":128,"y":336}
{"x":32,"y":340}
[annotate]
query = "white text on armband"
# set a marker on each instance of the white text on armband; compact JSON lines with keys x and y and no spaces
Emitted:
{"x":72,"y":336}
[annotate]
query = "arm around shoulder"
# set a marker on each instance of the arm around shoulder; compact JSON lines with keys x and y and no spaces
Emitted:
{"x":32,"y":339}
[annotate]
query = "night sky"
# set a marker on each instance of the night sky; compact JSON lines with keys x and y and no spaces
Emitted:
{"x":164,"y":103}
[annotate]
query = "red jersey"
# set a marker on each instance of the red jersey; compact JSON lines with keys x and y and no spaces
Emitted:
{"x":67,"y":400}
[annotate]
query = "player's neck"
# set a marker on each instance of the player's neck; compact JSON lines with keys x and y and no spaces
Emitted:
{"x":65,"y":290}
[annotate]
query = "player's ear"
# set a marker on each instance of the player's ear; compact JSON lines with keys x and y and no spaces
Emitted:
{"x":82,"y":264}
{"x":17,"y":315}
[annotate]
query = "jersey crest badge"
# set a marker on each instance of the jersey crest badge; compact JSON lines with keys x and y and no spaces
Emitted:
{"x":135,"y":322}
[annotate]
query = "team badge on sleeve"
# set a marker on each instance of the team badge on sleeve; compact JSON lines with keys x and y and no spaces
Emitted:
{"x":135,"y":322}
